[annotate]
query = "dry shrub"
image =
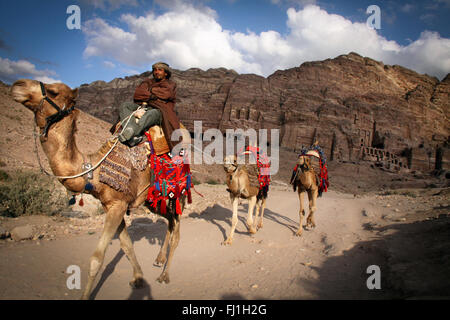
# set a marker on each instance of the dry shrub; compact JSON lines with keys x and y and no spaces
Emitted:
{"x":30,"y":193}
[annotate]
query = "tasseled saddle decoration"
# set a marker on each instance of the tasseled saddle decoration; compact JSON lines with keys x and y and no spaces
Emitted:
{"x":172,"y":179}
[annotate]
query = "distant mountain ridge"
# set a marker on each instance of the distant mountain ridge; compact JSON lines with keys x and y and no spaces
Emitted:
{"x":344,"y":103}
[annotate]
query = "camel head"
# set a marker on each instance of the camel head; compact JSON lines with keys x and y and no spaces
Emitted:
{"x":28,"y":92}
{"x":230,"y":163}
{"x":304,"y":162}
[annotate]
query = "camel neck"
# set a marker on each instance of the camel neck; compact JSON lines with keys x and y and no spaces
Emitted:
{"x":61,"y":149}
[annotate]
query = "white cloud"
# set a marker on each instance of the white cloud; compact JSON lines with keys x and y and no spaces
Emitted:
{"x":109,"y":64}
{"x":130,"y":72}
{"x":13,"y":70}
{"x":46,"y":79}
{"x":187,"y":36}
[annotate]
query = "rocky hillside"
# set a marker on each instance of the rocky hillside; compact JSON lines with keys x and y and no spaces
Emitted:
{"x":345,"y":103}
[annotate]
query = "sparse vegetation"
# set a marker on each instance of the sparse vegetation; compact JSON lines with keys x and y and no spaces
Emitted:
{"x":195,"y":181}
{"x":4,"y":176}
{"x":29,"y":193}
{"x":407,"y":193}
{"x":212,"y":181}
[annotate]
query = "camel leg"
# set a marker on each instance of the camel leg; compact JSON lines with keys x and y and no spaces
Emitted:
{"x":257,"y":211}
{"x":312,"y":195}
{"x":251,"y":205}
{"x":114,"y":217}
{"x":234,"y":219}
{"x":127,"y":246}
{"x":174,"y":240}
{"x":261,"y":214}
{"x":161,"y":258}
{"x":301,"y":213}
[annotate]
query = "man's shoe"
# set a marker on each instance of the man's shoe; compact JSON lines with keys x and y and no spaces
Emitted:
{"x":126,"y":134}
{"x":134,"y":141}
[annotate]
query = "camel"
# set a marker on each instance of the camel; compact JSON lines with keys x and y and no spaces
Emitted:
{"x":66,"y":160}
{"x":305,"y":179}
{"x":240,"y":185}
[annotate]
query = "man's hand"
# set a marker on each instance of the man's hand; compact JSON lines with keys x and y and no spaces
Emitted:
{"x":139,"y":113}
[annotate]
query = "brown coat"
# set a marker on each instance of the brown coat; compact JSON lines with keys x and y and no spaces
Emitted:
{"x":160,"y":95}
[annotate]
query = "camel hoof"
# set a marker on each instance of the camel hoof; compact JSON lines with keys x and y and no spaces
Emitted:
{"x":298,"y":234}
{"x":260,"y":225}
{"x":228,"y":242}
{"x":137,"y":283}
{"x":164,"y":277}
{"x":159,"y":262}
{"x":252,"y":230}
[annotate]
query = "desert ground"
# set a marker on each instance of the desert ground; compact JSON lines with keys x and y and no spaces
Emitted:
{"x":398,"y":222}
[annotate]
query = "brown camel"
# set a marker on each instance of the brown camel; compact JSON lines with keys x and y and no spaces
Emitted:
{"x":305,"y":179}
{"x":66,"y":160}
{"x":241,"y":184}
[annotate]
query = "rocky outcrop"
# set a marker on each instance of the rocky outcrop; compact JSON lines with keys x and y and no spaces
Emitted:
{"x":345,"y":103}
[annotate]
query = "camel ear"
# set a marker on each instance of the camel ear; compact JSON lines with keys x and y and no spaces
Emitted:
{"x":75,"y":93}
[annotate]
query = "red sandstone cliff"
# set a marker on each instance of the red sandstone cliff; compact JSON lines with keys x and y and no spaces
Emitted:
{"x":345,"y":103}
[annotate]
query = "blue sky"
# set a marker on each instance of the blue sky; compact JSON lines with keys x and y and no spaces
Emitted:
{"x":119,"y":38}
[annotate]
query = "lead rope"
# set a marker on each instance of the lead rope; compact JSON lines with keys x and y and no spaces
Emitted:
{"x":89,"y":170}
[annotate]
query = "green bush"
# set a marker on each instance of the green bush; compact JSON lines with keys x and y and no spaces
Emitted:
{"x":3,"y":176}
{"x":29,"y":193}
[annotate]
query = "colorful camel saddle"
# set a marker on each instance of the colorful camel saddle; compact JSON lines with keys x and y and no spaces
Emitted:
{"x":116,"y":169}
{"x":316,"y":153}
{"x":260,"y":171}
{"x":171,"y":178}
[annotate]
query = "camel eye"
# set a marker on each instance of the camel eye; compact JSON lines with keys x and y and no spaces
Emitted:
{"x":52,"y":92}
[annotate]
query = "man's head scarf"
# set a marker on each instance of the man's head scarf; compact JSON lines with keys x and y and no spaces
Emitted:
{"x":164,"y":66}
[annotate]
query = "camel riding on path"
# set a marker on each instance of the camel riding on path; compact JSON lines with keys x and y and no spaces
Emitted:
{"x":55,"y":116}
{"x":308,"y":181}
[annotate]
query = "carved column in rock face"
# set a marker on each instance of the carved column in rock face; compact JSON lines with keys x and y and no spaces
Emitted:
{"x":333,"y":146}
{"x":439,"y":155}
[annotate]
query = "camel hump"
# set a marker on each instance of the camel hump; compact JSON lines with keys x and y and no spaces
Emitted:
{"x":253,"y":174}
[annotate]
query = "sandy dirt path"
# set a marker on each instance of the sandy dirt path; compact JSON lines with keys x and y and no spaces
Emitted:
{"x":324,"y":263}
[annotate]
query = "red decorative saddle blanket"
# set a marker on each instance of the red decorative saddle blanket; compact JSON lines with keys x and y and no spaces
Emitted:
{"x":172,"y":179}
{"x":263,"y":165}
